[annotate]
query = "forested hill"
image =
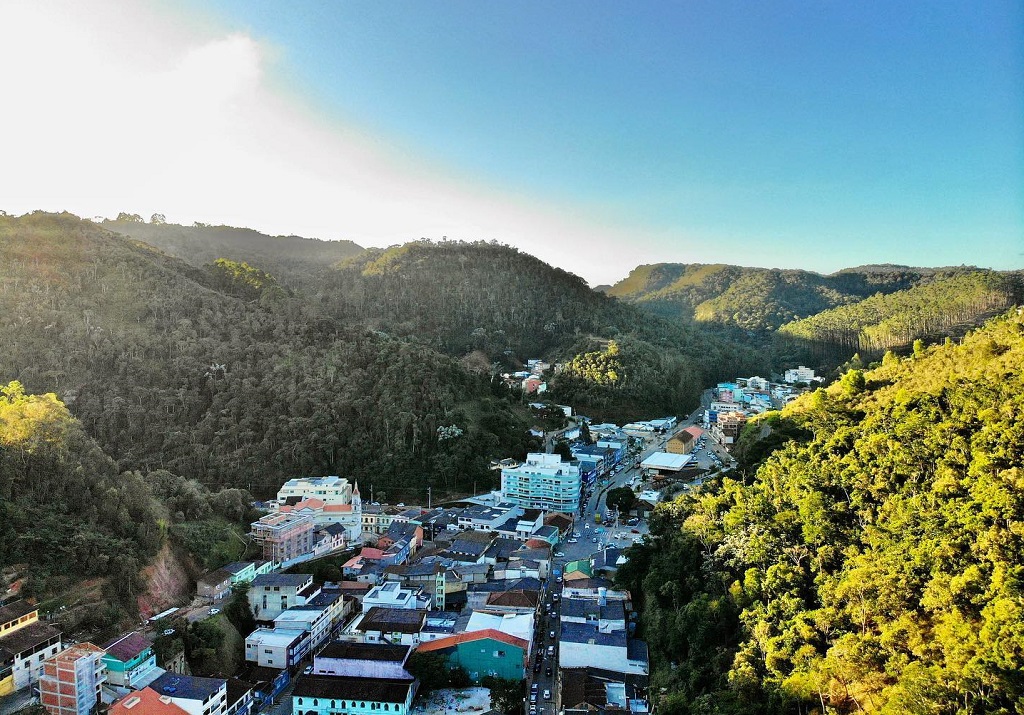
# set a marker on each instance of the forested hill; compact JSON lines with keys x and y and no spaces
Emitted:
{"x":168,"y":367}
{"x":296,"y":261}
{"x":504,"y":306}
{"x":756,"y":298}
{"x":873,"y":563}
{"x":947,"y":305}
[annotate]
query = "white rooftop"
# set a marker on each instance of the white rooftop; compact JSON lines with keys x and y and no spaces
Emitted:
{"x":519,"y":625}
{"x":667,"y":461}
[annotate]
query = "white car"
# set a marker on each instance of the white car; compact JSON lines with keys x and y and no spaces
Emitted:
{"x":559,"y":554}
{"x":214,"y":611}
{"x":573,"y":541}
{"x":168,"y":632}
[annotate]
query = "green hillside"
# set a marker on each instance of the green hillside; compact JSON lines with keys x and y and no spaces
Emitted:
{"x":170,"y":367}
{"x":947,"y":305}
{"x":756,"y":299}
{"x":295,"y":260}
{"x":872,"y":563}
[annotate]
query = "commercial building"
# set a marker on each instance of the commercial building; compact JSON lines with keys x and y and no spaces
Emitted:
{"x":683,"y":441}
{"x":283,"y":537}
{"x":544,"y":482}
{"x":72,"y":680}
{"x":146,"y":702}
{"x":483,"y":653}
{"x":363,"y":660}
{"x":330,"y":695}
{"x":799,"y":374}
{"x":327,"y":500}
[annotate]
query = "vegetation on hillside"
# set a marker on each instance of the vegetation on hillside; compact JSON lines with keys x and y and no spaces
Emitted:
{"x":754,"y":299}
{"x":872,"y":564}
{"x":169,"y":369}
{"x":944,"y":306}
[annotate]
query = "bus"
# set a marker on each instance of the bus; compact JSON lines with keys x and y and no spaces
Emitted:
{"x":165,"y":614}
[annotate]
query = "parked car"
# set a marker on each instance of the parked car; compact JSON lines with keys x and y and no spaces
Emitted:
{"x":573,"y":541}
{"x":551,"y":635}
{"x":168,"y":632}
{"x":559,"y":554}
{"x":307,"y":670}
{"x":547,"y":694}
{"x":214,"y":611}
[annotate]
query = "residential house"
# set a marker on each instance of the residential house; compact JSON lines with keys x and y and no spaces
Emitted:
{"x":240,"y":698}
{"x":196,"y":696}
{"x":390,"y":594}
{"x":130,"y":661}
{"x":24,"y":644}
{"x":277,"y":647}
{"x":430,"y":576}
{"x":72,"y":680}
{"x":146,"y":702}
{"x":270,"y":594}
{"x":319,"y":617}
{"x":593,"y":691}
{"x":329,"y":538}
{"x":215,"y":585}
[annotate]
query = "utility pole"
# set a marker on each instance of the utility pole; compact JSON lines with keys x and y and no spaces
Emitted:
{"x":371,"y":493}
{"x":428,"y":498}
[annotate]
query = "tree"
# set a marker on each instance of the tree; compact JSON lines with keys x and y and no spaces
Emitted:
{"x":158,"y":219}
{"x":621,"y":498}
{"x":507,"y":696}
{"x":431,"y":669}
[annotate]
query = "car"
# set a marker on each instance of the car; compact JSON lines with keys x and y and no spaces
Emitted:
{"x":551,"y":653}
{"x":547,"y":694}
{"x":533,"y":697}
{"x":533,"y":688}
{"x":308,"y":670}
{"x":635,"y":531}
{"x":559,"y":554}
{"x":558,"y":580}
{"x":554,"y":598}
{"x":214,"y":611}
{"x":573,"y":541}
{"x":536,"y":667}
{"x":551,"y":635}
{"x":594,"y":540}
{"x":576,"y":534}
{"x":533,"y":710}
{"x":168,"y":632}
{"x":633,"y":522}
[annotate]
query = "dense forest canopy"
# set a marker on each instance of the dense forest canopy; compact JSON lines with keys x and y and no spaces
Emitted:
{"x":757,"y":299}
{"x":871,"y":563}
{"x":946,"y":305}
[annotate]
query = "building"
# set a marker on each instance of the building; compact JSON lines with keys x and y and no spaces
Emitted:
{"x":72,"y":680}
{"x":483,"y":653}
{"x":543,"y":482}
{"x":283,"y":537}
{"x":331,"y":695}
{"x":799,"y":374}
{"x":277,"y":647}
{"x":665,"y":464}
{"x":683,"y":441}
{"x":130,"y":661}
{"x":146,"y":702}
{"x":593,"y":634}
{"x":241,"y":698}
{"x":390,"y":594}
{"x":729,"y":426}
{"x":364,"y":660}
{"x":391,"y":625}
{"x":327,"y":500}
{"x":215,"y":585}
{"x":196,"y":696}
{"x":319,"y":617}
{"x":270,"y":594}
{"x":24,"y":644}
{"x":592,"y":691}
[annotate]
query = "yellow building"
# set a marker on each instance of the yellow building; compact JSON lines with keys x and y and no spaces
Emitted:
{"x":24,"y":644}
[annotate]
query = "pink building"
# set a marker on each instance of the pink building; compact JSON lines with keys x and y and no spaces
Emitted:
{"x":283,"y":536}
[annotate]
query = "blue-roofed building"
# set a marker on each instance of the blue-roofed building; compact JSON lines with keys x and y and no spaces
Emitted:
{"x":196,"y":696}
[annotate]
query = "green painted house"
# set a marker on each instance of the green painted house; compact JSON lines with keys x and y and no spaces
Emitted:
{"x":483,"y":653}
{"x":130,"y":661}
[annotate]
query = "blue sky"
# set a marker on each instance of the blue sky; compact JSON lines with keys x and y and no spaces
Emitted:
{"x":794,"y":134}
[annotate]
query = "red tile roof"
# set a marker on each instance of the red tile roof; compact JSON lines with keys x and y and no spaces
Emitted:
{"x":487,"y":633}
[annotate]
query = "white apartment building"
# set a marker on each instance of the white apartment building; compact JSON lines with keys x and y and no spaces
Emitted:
{"x":799,"y":374}
{"x":544,"y":482}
